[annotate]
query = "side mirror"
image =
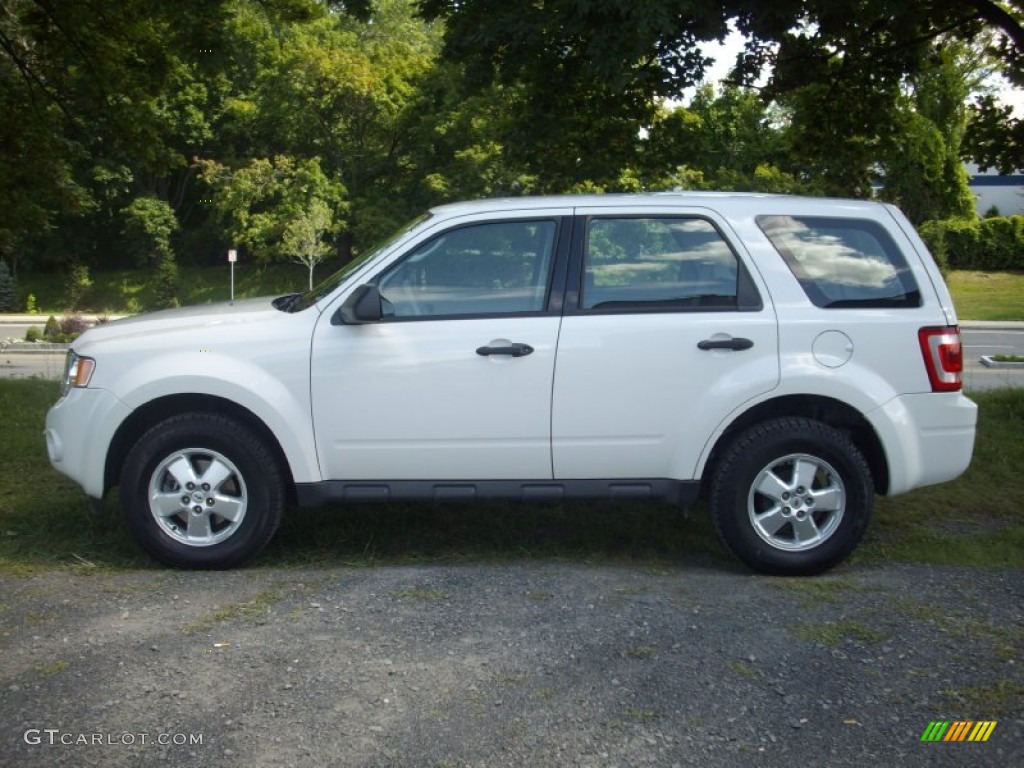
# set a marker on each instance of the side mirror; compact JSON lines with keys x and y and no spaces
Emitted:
{"x":362,"y":306}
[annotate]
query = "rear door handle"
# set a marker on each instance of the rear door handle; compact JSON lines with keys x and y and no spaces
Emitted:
{"x":737,"y":343}
{"x":515,"y":350}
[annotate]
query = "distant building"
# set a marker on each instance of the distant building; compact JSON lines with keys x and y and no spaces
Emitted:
{"x":990,"y":188}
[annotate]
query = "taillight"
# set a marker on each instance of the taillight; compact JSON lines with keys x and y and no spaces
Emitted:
{"x":943,"y":357}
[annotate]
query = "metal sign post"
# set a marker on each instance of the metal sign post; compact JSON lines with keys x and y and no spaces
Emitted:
{"x":232,"y":258}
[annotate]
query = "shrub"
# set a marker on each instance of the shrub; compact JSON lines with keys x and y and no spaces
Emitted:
{"x":961,"y":242}
{"x":33,"y":334}
{"x":995,"y":243}
{"x":78,"y":286}
{"x":72,"y":327}
{"x":934,"y":235}
{"x":131,"y":304}
{"x":51,"y":329}
{"x":30,"y":305}
{"x":996,"y":240}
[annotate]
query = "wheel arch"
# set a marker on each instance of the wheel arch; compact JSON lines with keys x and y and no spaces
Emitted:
{"x":155,"y":411}
{"x":819,"y":408}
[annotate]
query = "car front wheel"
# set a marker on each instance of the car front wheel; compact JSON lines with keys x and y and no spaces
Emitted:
{"x":791,"y":496}
{"x":201,"y":490}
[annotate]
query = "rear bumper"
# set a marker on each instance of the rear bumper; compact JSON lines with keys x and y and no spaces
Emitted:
{"x":929,"y":438}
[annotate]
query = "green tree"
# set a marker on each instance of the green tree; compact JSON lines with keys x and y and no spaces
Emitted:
{"x":97,"y":86}
{"x":113,"y":100}
{"x":591,"y":73}
{"x":459,"y":141}
{"x":78,"y":285}
{"x":8,"y":290}
{"x":583,"y":79}
{"x":995,"y":138}
{"x":338,"y":89}
{"x":149,"y":224}
{"x":302,"y":240}
{"x":731,"y":140}
{"x":268,"y":206}
{"x":923,"y":172}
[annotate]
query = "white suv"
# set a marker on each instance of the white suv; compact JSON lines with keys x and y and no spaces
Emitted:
{"x":787,"y":357}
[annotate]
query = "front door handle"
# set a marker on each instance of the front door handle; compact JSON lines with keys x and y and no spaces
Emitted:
{"x":514,"y":349}
{"x":738,"y":343}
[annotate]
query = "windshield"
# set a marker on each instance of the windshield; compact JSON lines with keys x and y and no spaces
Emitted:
{"x":301,"y":301}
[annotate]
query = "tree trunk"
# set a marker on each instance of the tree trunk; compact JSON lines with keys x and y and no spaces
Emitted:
{"x":345,"y":244}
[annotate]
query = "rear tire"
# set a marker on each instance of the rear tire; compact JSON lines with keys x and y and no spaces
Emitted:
{"x":791,"y":496}
{"x":201,"y":490}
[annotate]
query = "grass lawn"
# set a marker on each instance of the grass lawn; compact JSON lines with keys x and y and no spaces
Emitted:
{"x":987,"y":295}
{"x":977,"y":295}
{"x":121,"y":291}
{"x":44,"y":523}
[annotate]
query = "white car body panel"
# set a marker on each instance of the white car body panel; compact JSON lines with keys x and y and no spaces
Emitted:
{"x":621,"y":380}
{"x":930,"y":438}
{"x":78,"y":430}
{"x":246,"y":352}
{"x":440,"y":410}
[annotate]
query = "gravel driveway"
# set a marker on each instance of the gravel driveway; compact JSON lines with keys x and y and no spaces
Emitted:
{"x":529,"y":664}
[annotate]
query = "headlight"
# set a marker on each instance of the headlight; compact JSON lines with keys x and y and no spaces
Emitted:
{"x":77,"y":372}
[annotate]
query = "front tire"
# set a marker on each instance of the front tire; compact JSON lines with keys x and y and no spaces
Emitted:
{"x":791,"y":496}
{"x":201,"y":490}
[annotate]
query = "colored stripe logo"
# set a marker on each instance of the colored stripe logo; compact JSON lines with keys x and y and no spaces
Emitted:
{"x":958,"y":730}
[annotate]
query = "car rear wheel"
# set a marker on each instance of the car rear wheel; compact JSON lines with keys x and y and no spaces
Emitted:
{"x":791,"y":496}
{"x":201,"y":490}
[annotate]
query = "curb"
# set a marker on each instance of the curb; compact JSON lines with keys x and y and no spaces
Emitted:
{"x":992,"y":325}
{"x":33,"y":348}
{"x":40,"y":319}
{"x":988,"y":362}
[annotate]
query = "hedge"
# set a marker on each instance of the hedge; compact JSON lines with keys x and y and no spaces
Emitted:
{"x":995,"y":243}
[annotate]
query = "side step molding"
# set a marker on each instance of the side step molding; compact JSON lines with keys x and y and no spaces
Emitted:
{"x":679,"y":492}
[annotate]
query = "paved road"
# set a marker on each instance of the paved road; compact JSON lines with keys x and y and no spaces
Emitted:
{"x":26,"y":366}
{"x":17,"y":330}
{"x":992,"y":341}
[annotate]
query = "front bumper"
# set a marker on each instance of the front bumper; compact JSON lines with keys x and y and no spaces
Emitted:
{"x":79,"y":429}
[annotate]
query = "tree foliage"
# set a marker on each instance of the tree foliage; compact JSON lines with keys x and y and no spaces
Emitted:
{"x":838,"y":68}
{"x":149,"y":223}
{"x":923,"y":170}
{"x":995,"y":138}
{"x":8,"y":289}
{"x":302,"y":240}
{"x":105,"y":92}
{"x":728,"y":140}
{"x":267,"y":203}
{"x":302,"y":129}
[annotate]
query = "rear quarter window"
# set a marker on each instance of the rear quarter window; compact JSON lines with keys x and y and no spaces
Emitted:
{"x":842,"y":263}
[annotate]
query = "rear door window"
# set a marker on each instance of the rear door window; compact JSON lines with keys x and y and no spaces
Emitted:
{"x":665,"y":263}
